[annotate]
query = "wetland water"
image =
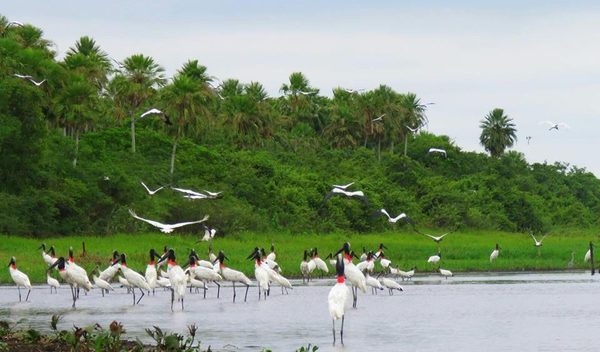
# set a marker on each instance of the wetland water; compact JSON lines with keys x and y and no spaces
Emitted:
{"x":469,"y":312}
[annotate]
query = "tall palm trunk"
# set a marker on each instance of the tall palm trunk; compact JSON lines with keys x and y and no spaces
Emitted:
{"x":405,"y":145}
{"x":133,"y":135}
{"x":76,"y":147}
{"x":174,"y":151}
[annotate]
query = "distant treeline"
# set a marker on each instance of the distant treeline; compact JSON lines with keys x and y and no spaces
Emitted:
{"x":69,"y":163}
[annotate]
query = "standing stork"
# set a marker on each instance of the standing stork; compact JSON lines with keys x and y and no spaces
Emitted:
{"x":338,"y":295}
{"x":19,"y":277}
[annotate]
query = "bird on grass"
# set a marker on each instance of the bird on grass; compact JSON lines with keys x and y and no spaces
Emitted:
{"x":209,"y":233}
{"x":19,"y":278}
{"x":338,"y":295}
{"x":167,"y":228}
{"x":495,"y":254}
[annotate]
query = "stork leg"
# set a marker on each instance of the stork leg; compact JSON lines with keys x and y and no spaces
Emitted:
{"x":247,"y":287}
{"x":182,"y":303}
{"x":27,"y":297}
{"x":19,"y":289}
{"x":133,"y":292}
{"x":258,"y":291}
{"x":218,"y":288}
{"x":172,"y":298}
{"x":333,"y":330}
{"x":142,"y":296}
{"x":342,"y":331}
{"x":234,"y":292}
{"x":102,"y":290}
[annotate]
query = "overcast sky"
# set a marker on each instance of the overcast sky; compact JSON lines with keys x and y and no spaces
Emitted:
{"x":538,"y":61}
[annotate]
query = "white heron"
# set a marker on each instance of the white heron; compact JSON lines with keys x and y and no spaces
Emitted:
{"x":338,"y":295}
{"x":177,"y":277}
{"x":391,"y":285}
{"x":150,"y":274}
{"x":151,"y":192}
{"x":20,"y":278}
{"x":135,"y":279}
{"x":167,"y":228}
{"x":495,"y":254}
{"x":554,"y":125}
{"x":393,"y":220}
{"x":439,"y":151}
{"x":52,"y":282}
{"x":232,"y":275}
{"x":446,"y":273}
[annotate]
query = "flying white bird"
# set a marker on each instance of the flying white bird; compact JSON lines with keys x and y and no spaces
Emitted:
{"x":338,"y":191}
{"x":350,"y":90}
{"x":495,"y":253}
{"x":23,"y":76}
{"x":437,"y":150}
{"x":154,"y":111}
{"x":379,"y":118}
{"x":338,"y":295}
{"x":189,"y":193}
{"x":528,"y":138}
{"x":212,"y":195}
{"x":167,"y":228}
{"x":413,"y":130}
{"x":553,"y":125}
{"x":536,"y":242}
{"x":30,"y":79}
{"x":151,"y":192}
{"x":436,"y":239}
{"x":393,"y":220}
{"x":343,"y":186}
{"x":19,"y":278}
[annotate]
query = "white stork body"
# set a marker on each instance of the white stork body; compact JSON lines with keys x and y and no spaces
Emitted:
{"x":102,"y":284}
{"x":19,"y":278}
{"x":53,"y":283}
{"x":373,"y":283}
{"x":391,"y":285}
{"x":446,"y":273}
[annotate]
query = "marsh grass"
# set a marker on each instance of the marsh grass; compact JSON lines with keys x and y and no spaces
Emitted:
{"x":461,"y":251}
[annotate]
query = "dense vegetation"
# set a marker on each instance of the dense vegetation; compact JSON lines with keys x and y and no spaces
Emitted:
{"x":69,"y":163}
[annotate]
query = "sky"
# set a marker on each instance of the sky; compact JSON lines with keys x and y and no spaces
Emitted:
{"x":537,"y":60}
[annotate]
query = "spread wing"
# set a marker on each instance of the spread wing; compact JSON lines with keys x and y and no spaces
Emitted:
{"x":549,"y":123}
{"x":188,"y":191}
{"x":151,"y":222}
{"x":174,"y":226}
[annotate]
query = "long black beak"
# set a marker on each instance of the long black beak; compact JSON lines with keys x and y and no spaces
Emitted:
{"x":116,"y":262}
{"x":49,"y":268}
{"x":162,"y":259}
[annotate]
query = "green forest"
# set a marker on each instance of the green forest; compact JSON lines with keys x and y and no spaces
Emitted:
{"x":74,"y":151}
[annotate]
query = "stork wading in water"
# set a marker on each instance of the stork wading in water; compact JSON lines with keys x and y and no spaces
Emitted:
{"x":338,"y":295}
{"x":232,"y":275}
{"x":20,"y":278}
{"x":177,"y":277}
{"x":75,"y":278}
{"x":355,"y":276}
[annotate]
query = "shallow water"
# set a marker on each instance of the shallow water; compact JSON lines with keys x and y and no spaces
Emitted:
{"x":474,"y":312}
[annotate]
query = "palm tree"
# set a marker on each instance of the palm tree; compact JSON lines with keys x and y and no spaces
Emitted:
{"x":498,"y":132}
{"x":299,"y":103}
{"x":186,"y":103}
{"x":414,"y":115}
{"x":76,"y":106}
{"x":87,"y":57}
{"x":142,"y":77}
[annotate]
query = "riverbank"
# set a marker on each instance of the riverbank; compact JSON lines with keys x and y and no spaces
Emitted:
{"x":461,"y":251}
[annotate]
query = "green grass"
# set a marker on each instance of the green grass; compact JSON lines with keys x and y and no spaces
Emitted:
{"x":461,"y":251}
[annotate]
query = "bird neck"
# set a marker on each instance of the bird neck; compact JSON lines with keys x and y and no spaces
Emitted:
{"x":348,"y":257}
{"x":71,"y":260}
{"x":193,"y":265}
{"x":341,"y":279}
{"x":151,"y":262}
{"x":221,"y":265}
{"x":171,"y":262}
{"x":13,"y":266}
{"x":258,"y":261}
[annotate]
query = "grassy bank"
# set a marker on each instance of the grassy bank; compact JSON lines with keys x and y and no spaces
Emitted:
{"x":461,"y":251}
